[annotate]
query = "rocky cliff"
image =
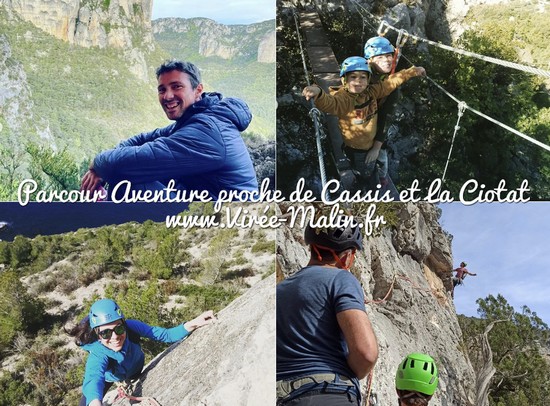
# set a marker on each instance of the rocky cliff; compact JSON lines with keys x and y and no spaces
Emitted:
{"x":15,"y":94}
{"x":408,"y":265}
{"x":89,"y":22}
{"x":121,"y":24}
{"x":231,"y":362}
{"x":255,"y":41}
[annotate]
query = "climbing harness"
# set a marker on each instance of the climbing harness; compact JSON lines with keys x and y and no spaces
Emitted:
{"x":461,"y":107}
{"x":314,"y":113}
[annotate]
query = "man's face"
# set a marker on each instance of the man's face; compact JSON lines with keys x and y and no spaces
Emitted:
{"x":176,"y":93}
{"x":357,"y":81}
{"x":382,"y":63}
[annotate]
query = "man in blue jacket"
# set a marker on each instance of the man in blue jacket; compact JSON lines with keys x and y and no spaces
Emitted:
{"x":202,"y":150}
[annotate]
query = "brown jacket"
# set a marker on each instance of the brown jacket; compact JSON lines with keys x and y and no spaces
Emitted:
{"x":357,"y":113}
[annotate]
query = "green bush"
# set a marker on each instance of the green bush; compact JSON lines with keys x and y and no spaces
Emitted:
{"x":264,"y":246}
{"x":19,"y":312}
{"x":14,"y":389}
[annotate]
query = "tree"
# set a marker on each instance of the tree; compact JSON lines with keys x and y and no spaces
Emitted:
{"x":60,"y":168}
{"x":514,"y":346}
{"x":20,"y":251}
{"x":18,"y":310}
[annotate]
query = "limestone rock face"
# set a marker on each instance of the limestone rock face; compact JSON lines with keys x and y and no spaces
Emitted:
{"x":231,"y":362}
{"x":410,"y":265}
{"x":224,"y":41}
{"x":14,"y":91}
{"x":122,"y":24}
{"x":88,"y":23}
{"x":266,"y":49}
{"x":16,"y":105}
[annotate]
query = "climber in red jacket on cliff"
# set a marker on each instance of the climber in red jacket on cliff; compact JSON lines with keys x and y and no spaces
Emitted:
{"x":461,"y":273}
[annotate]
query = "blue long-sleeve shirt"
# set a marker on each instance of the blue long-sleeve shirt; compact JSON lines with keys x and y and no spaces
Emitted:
{"x":127,"y":362}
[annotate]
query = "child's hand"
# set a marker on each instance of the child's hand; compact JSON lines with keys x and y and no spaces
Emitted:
{"x":420,"y":71}
{"x":372,"y":155}
{"x":311,"y":92}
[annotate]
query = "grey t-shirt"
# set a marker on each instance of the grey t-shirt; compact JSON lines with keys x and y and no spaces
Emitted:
{"x":309,"y":339}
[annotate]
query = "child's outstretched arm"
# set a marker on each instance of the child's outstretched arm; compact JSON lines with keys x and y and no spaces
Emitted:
{"x":383,"y":89}
{"x":311,"y":92}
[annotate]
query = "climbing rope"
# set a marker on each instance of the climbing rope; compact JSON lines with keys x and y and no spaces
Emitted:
{"x":461,"y":107}
{"x":416,"y":287}
{"x":124,"y":391}
{"x":383,"y":29}
{"x":385,"y":297}
{"x":395,"y":277}
{"x":479,"y":113}
{"x":314,"y":113}
{"x":369,"y":385}
{"x":496,"y":61}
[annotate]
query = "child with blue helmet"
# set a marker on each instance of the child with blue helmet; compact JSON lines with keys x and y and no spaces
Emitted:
{"x":355,"y":104}
{"x":113,"y":356}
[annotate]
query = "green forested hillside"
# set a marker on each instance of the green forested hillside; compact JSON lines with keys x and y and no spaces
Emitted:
{"x":88,"y":97}
{"x":523,"y":24}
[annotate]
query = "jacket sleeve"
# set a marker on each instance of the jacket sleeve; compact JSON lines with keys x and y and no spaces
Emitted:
{"x":197,"y":147}
{"x":143,"y":138}
{"x":339,"y":104}
{"x":384,"y":88}
{"x":94,"y":377}
{"x":165,"y":335}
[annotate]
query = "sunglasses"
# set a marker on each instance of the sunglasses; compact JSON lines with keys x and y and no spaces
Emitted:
{"x":108,"y":332}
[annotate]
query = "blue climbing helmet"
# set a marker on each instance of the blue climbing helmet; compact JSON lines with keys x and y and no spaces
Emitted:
{"x":104,"y":311}
{"x":378,"y":46}
{"x":354,"y":63}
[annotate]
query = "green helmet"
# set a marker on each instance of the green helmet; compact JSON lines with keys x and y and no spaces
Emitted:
{"x":417,"y":373}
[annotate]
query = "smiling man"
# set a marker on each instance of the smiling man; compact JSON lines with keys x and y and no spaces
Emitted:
{"x":202,"y":150}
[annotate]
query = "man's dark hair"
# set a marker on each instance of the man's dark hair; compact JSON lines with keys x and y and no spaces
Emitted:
{"x":185,"y":67}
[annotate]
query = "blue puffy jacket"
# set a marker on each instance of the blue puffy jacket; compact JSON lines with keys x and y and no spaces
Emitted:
{"x":203,"y":150}
{"x":127,"y":362}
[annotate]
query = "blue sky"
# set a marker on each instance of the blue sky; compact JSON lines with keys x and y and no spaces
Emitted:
{"x":507,"y":245}
{"x":222,"y":11}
